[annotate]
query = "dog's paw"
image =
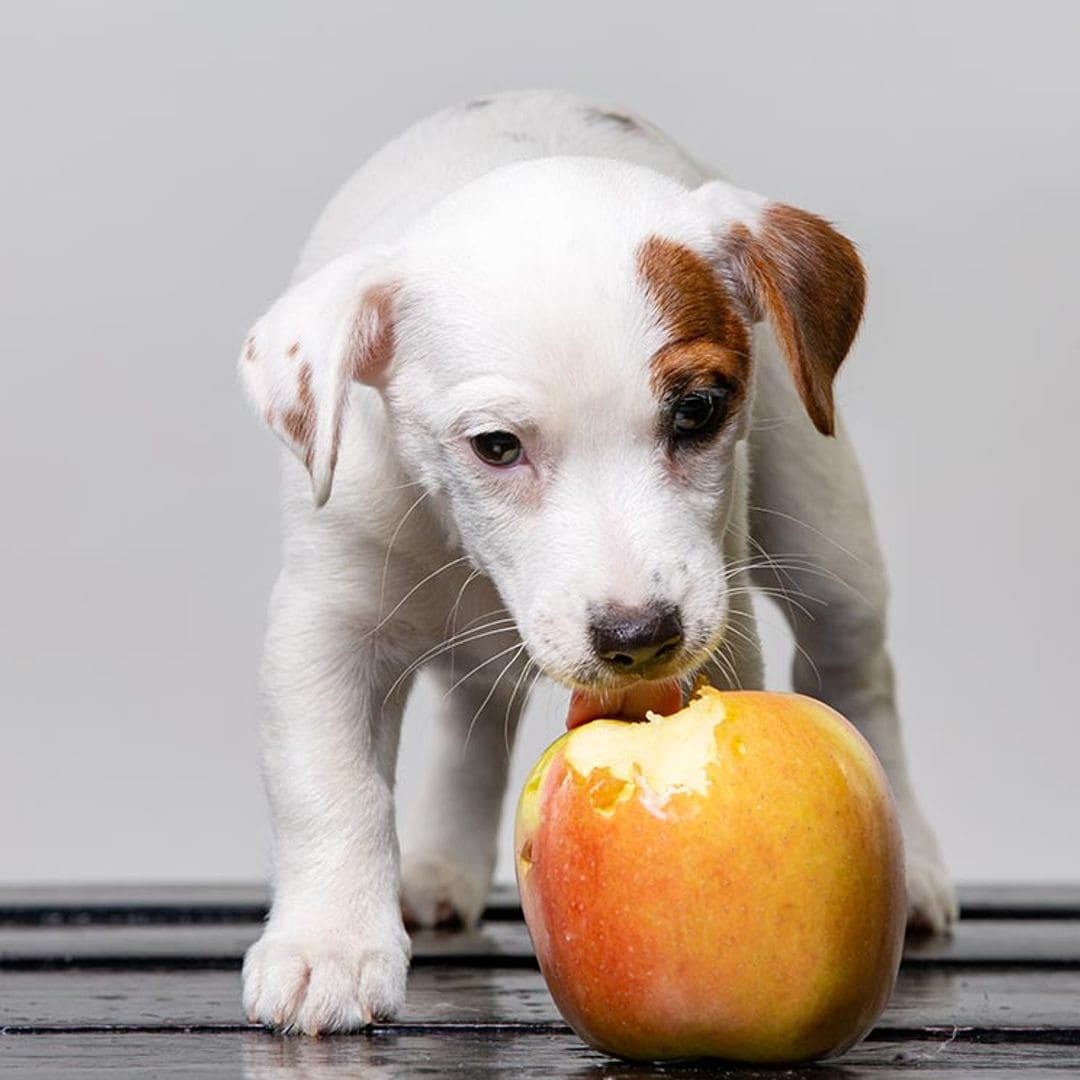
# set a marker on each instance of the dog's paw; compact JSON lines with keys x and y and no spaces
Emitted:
{"x":932,"y":905}
{"x":323,"y":983}
{"x":437,"y":892}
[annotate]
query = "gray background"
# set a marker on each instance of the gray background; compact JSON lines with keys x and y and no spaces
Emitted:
{"x":162,"y":162}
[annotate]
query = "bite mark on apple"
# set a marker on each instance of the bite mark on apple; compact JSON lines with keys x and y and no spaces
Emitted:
{"x":667,"y":755}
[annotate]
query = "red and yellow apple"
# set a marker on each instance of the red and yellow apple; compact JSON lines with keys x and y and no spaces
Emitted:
{"x":726,"y":881}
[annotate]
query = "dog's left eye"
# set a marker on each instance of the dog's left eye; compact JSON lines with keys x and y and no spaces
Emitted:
{"x":497,"y":447}
{"x":698,"y":413}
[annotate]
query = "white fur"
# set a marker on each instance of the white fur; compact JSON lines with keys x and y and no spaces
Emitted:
{"x":509,"y":233}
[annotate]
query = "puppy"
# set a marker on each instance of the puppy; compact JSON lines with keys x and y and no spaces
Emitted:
{"x":556,"y":398}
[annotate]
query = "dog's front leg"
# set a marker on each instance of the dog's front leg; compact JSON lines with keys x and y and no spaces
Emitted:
{"x":810,"y":516}
{"x":334,"y":953}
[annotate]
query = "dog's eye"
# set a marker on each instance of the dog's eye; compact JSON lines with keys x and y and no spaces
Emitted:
{"x":698,"y":413}
{"x":497,"y":447}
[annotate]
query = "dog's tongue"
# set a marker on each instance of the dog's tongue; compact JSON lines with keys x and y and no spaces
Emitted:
{"x":658,"y":697}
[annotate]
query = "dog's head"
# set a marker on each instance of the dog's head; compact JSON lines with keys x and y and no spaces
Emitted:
{"x":564,"y":350}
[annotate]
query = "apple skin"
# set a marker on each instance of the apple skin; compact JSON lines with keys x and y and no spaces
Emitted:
{"x":754,"y":912}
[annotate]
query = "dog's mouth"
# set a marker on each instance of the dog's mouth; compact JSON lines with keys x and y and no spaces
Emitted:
{"x":635,"y":698}
{"x":664,"y":696}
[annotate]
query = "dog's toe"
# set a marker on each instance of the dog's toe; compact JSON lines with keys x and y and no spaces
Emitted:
{"x":932,"y":905}
{"x":321,"y":984}
{"x":436,"y":892}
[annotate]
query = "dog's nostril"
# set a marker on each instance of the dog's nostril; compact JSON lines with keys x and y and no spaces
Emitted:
{"x":635,"y":637}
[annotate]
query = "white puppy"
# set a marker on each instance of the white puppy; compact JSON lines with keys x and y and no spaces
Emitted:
{"x":530,"y":354}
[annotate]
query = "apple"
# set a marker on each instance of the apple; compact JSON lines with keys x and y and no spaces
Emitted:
{"x":726,"y":881}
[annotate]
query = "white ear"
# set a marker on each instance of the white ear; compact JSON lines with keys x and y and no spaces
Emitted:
{"x":301,"y":356}
{"x":795,"y":268}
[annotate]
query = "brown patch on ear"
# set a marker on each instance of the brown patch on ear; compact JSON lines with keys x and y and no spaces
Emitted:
{"x":373,"y":333}
{"x":299,"y":421}
{"x":812,"y":284}
{"x":292,"y":350}
{"x":708,"y":336}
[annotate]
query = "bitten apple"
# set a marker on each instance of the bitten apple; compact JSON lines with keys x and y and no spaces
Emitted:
{"x":726,"y":881}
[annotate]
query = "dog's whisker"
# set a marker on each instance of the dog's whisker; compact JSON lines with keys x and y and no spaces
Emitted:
{"x":506,"y":623}
{"x":536,"y":678}
{"x":483,"y":704}
{"x":465,"y":637}
{"x":451,"y":620}
{"x":495,"y":626}
{"x":779,"y":592}
{"x":420,"y":584}
{"x":788,"y":563}
{"x":805,"y":566}
{"x":772,"y":562}
{"x":440,"y":649}
{"x":798,"y":648}
{"x":733,"y":631}
{"x":754,"y":509}
{"x":724,"y":663}
{"x":529,"y":690}
{"x":747,"y":535}
{"x":782,"y":593}
{"x":729,"y":653}
{"x":397,"y":487}
{"x":390,"y":548}
{"x":510,"y":704}
{"x":494,"y":611}
{"x":781,"y":596}
{"x":776,"y":592}
{"x":816,"y":570}
{"x":479,"y":667}
{"x":452,"y":617}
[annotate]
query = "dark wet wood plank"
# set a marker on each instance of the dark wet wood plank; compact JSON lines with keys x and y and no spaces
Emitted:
{"x":52,"y":904}
{"x":405,"y":1056}
{"x":182,"y":999}
{"x":1000,"y":941}
{"x":34,"y":905}
{"x":144,"y":980}
{"x":1046,"y":943}
{"x":247,"y":902}
{"x":59,"y":896}
{"x":223,"y":945}
{"x":1002,"y":901}
{"x":1016,"y":1004}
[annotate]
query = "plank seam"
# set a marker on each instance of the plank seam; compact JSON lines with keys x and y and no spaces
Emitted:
{"x":1060,"y":1036}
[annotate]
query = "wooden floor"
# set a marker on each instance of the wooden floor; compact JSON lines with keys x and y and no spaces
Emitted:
{"x":146,"y":982}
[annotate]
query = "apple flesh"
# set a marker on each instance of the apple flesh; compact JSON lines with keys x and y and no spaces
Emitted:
{"x":726,"y":881}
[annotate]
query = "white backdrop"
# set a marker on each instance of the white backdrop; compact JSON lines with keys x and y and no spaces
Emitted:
{"x":162,"y":162}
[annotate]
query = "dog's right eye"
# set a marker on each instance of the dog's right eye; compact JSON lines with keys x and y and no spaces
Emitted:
{"x":497,"y":447}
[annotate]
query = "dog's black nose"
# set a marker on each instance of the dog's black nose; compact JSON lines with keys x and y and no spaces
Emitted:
{"x":630,"y":639}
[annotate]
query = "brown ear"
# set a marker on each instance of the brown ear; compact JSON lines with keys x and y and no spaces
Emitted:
{"x":795,"y":268}
{"x":301,"y":356}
